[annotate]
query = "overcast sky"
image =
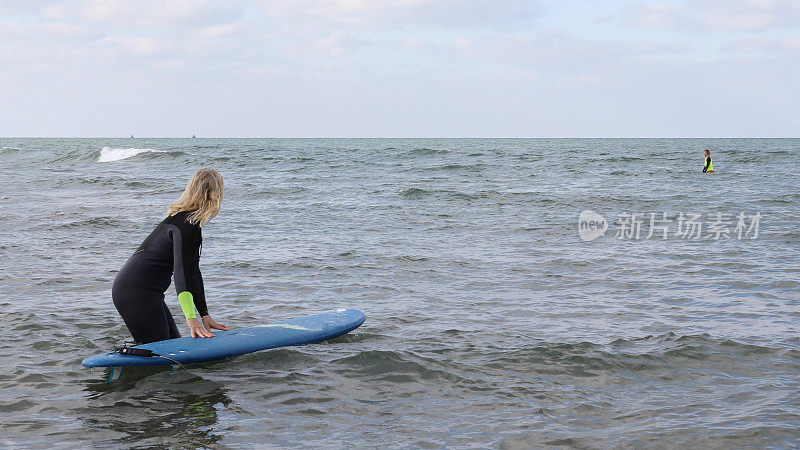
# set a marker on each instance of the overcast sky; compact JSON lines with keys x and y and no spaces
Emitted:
{"x":400,"y":68}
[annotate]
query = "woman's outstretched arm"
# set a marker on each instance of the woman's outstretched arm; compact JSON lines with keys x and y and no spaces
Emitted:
{"x":183,"y":281}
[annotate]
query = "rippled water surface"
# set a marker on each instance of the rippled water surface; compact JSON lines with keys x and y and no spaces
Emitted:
{"x":489,"y":321}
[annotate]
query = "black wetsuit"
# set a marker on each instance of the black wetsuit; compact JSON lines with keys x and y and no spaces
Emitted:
{"x":139,"y":286}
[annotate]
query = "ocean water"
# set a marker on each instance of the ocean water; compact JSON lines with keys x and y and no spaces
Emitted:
{"x":490,"y":321}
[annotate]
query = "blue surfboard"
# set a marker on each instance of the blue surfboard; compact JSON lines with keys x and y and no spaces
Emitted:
{"x":225,"y":344}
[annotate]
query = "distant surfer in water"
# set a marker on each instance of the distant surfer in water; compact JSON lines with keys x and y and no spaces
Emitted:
{"x":173,"y":247}
{"x":709,"y":167}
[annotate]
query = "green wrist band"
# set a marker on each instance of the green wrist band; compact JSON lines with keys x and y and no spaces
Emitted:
{"x":186,"y":299}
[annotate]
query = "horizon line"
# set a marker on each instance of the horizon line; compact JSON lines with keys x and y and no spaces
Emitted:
{"x":400,"y":137}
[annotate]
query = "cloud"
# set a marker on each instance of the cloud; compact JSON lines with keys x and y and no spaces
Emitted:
{"x":306,"y":33}
{"x":375,"y":14}
{"x":698,"y":15}
{"x":222,"y":29}
{"x":156,"y":13}
{"x":652,"y":15}
{"x":555,"y":51}
{"x":762,"y":45}
{"x":136,"y":46}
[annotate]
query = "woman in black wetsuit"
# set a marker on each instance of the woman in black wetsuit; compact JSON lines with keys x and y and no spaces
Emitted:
{"x":174,"y":246}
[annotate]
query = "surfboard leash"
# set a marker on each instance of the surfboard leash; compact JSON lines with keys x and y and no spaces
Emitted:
{"x":126,"y":349}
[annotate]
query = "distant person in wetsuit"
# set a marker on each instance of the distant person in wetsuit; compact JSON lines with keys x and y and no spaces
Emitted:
{"x":709,"y":167}
{"x":173,"y":247}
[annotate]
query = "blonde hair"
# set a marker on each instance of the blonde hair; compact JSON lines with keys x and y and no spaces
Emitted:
{"x":202,"y":196}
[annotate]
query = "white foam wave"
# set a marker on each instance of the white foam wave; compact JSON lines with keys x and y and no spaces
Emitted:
{"x":116,"y":154}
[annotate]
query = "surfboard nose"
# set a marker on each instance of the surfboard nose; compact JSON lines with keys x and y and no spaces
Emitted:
{"x":354,"y":315}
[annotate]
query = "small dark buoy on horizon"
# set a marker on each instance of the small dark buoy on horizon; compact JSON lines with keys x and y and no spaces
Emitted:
{"x":131,"y":136}
{"x":194,"y":137}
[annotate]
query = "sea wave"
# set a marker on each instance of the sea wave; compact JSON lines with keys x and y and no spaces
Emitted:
{"x":108,"y":154}
{"x":9,"y":151}
{"x":427,"y":151}
{"x":415,"y":193}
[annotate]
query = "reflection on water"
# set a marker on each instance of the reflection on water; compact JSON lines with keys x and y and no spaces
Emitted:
{"x":155,"y":406}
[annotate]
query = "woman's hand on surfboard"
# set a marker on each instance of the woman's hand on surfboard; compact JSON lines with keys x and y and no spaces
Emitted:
{"x":197,"y":329}
{"x":211,"y":323}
